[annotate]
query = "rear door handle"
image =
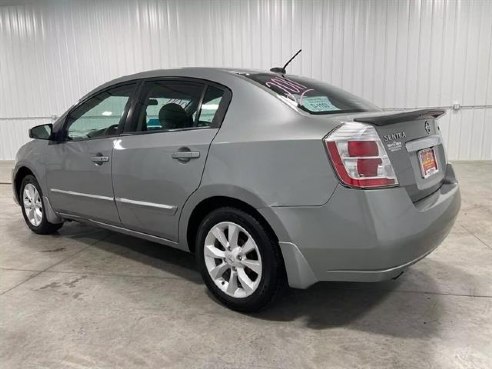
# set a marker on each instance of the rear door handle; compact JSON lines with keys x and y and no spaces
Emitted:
{"x":100,"y":159}
{"x":184,"y":155}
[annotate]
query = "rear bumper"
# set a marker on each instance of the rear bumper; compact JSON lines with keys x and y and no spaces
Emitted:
{"x":363,"y":235}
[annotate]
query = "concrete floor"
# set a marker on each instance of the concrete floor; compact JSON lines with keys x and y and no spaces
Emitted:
{"x":5,"y":171}
{"x":96,"y":299}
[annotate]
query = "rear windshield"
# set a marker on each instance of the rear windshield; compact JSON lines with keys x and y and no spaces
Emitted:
{"x":312,"y":96}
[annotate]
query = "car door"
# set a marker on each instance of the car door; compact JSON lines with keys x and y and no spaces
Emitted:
{"x":79,"y":162}
{"x":159,"y":159}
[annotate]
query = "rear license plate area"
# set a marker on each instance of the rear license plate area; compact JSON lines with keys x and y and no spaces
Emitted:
{"x":428,"y":162}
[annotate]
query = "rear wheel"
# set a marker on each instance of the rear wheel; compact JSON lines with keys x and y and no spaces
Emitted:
{"x":240,"y":262}
{"x":31,"y":199}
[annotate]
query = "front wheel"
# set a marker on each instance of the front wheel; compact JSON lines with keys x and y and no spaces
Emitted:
{"x":31,"y":199}
{"x":239,"y":260}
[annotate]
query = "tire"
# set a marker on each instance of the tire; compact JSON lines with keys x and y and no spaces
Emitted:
{"x":35,"y":217}
{"x":229,"y":284}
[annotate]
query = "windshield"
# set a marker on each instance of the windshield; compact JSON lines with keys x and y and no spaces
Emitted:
{"x":312,"y":96}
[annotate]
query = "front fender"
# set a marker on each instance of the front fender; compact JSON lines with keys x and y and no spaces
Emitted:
{"x":32,"y":157}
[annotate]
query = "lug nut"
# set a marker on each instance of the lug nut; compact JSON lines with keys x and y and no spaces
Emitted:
{"x":239,"y":257}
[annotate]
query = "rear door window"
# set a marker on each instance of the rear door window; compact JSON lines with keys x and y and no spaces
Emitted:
{"x":210,"y":106}
{"x":169,"y":105}
{"x":310,"y":95}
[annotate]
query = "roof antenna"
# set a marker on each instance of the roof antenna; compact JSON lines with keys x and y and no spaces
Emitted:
{"x":282,"y":70}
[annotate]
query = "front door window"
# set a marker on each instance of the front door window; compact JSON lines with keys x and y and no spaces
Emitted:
{"x":100,"y":116}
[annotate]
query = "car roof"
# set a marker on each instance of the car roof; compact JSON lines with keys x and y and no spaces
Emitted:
{"x":219,"y":75}
{"x":181,"y":72}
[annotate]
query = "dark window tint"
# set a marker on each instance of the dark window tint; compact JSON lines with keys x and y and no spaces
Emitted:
{"x":312,"y":96}
{"x":100,"y":115}
{"x":210,"y":105}
{"x":169,"y":105}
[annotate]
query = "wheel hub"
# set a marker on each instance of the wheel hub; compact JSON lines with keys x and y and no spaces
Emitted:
{"x":233,"y":259}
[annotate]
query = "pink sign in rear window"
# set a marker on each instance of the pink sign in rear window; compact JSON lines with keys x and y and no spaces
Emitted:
{"x":312,"y":96}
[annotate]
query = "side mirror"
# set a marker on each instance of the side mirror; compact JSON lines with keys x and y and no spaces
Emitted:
{"x":41,"y":132}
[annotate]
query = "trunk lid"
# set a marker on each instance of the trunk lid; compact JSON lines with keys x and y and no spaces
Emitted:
{"x":405,"y":136}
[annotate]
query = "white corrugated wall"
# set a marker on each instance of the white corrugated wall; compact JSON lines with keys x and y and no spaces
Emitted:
{"x":396,"y":53}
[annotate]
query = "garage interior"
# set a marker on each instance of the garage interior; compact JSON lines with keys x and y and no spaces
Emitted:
{"x":91,"y":298}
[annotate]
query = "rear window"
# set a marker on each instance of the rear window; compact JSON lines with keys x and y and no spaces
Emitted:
{"x":312,"y":96}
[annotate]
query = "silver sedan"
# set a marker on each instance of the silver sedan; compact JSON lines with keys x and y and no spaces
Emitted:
{"x":269,"y":179}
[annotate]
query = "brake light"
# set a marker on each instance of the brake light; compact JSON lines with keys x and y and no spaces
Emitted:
{"x":359,"y":157}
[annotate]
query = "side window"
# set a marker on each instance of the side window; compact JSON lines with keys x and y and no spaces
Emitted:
{"x":169,"y":105}
{"x":210,"y":105}
{"x":100,"y":115}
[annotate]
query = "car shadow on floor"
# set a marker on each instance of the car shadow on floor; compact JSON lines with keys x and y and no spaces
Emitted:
{"x":330,"y":304}
{"x":168,"y":259}
{"x":412,"y":306}
{"x":376,"y":308}
{"x":326,"y":305}
{"x":156,"y":256}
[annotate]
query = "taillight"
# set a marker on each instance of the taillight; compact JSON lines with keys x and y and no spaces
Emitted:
{"x":359,"y":157}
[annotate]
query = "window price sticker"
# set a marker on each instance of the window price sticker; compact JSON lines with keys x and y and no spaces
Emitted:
{"x":318,"y":103}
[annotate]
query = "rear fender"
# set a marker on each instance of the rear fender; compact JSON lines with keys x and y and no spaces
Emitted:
{"x":233,"y":192}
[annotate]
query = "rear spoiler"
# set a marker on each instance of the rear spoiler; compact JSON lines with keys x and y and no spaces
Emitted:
{"x":382,"y":120}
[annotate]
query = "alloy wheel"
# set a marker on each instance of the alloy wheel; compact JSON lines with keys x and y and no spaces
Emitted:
{"x":233,"y":259}
{"x":33,"y":205}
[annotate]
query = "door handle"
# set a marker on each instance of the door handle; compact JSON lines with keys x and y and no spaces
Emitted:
{"x":184,"y":155}
{"x":99,"y":159}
